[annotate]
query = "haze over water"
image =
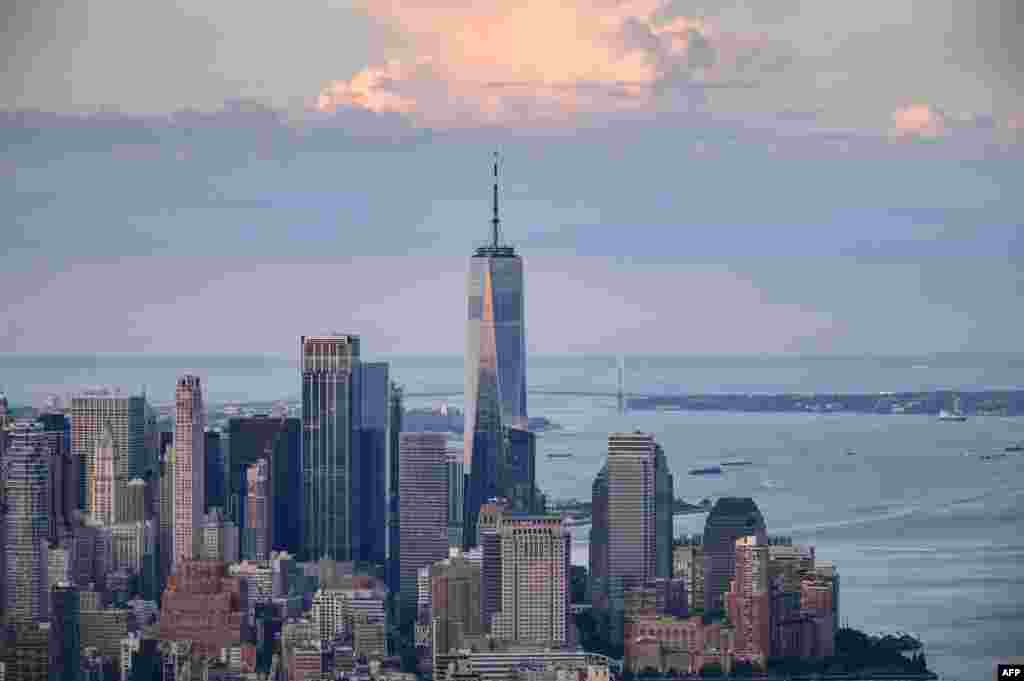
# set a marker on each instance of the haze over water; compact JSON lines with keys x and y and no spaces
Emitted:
{"x":926,"y":538}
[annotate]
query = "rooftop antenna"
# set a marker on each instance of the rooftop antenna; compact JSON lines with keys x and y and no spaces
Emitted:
{"x":495,"y":220}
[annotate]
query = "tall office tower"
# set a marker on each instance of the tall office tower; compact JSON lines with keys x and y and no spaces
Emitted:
{"x":105,"y":485}
{"x":495,"y":363}
{"x":278,"y":439}
{"x":220,"y":538}
{"x":535,"y":558}
{"x":64,"y":614}
{"x":489,"y":523}
{"x":165,"y":536}
{"x":369,"y":464}
{"x":730,"y":519}
{"x":456,"y":491}
{"x":598,"y":544}
{"x":26,"y":557}
{"x":329,"y":384}
{"x":454,"y":603}
{"x":749,"y":600}
{"x":259,"y":517}
{"x":664,"y":508}
{"x":688,"y":563}
{"x":423,"y":510}
{"x":215,"y":495}
{"x":189,"y":468}
{"x":396,"y":411}
{"x":126,"y":417}
{"x":133,"y":502}
{"x":632,"y":508}
{"x":517,"y":474}
{"x":63,"y":492}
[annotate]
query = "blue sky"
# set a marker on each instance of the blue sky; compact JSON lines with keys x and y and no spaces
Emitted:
{"x":735,"y":195}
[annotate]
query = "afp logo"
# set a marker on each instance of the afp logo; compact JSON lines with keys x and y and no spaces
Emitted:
{"x":1010,"y":671}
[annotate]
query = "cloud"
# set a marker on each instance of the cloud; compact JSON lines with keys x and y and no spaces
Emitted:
{"x":541,"y":61}
{"x":919,"y":121}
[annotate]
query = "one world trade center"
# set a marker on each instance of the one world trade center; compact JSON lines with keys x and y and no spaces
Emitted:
{"x":495,"y":366}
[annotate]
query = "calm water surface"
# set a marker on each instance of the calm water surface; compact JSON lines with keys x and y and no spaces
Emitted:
{"x":927,"y":537}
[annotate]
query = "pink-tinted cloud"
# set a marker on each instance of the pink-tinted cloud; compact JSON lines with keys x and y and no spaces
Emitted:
{"x":539,"y":60}
{"x":919,"y":121}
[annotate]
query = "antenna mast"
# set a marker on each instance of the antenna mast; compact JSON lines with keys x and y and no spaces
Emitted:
{"x":495,"y":220}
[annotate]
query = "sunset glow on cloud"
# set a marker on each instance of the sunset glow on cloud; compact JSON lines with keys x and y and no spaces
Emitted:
{"x":538,"y":60}
{"x":918,"y":120}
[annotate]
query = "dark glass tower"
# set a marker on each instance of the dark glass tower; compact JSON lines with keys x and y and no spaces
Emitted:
{"x":254,"y":438}
{"x":369,"y":468}
{"x":330,"y":407}
{"x":214,"y":470}
{"x":495,"y":364}
{"x":730,"y":519}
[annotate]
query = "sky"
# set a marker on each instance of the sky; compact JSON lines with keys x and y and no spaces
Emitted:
{"x":680,"y":176}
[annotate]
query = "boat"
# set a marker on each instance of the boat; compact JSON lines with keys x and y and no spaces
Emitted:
{"x":993,"y":457}
{"x":743,"y":462}
{"x":851,"y":453}
{"x":708,"y":470}
{"x":559,"y":455}
{"x":1014,"y":448}
{"x":954,"y":415}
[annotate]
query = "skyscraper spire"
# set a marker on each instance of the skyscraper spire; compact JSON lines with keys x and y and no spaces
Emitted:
{"x":495,"y":220}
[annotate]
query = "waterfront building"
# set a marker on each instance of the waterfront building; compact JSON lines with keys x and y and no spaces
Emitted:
{"x":456,"y":492}
{"x":730,"y":518}
{"x":278,"y":439}
{"x":189,"y":468}
{"x":535,"y":559}
{"x":688,"y":563}
{"x":26,"y":555}
{"x":495,"y":380}
{"x":500,"y":665}
{"x":423,"y":511}
{"x":329,"y":409}
{"x":125,"y":417}
{"x":259,"y":518}
{"x":678,"y":646}
{"x":749,"y":601}
{"x":454,"y":603}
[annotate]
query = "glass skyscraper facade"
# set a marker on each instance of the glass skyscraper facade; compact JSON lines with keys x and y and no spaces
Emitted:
{"x":329,"y":382}
{"x":495,"y":389}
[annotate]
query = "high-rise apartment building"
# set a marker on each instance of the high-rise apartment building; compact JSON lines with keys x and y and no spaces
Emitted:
{"x":25,"y":550}
{"x":277,"y":438}
{"x":495,"y":385}
{"x":259,"y":518}
{"x":535,"y":559}
{"x":329,"y":408}
{"x":189,"y":468}
{"x":749,"y":601}
{"x":730,"y":519}
{"x":126,"y":417}
{"x":423,"y":510}
{"x":396,"y":410}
